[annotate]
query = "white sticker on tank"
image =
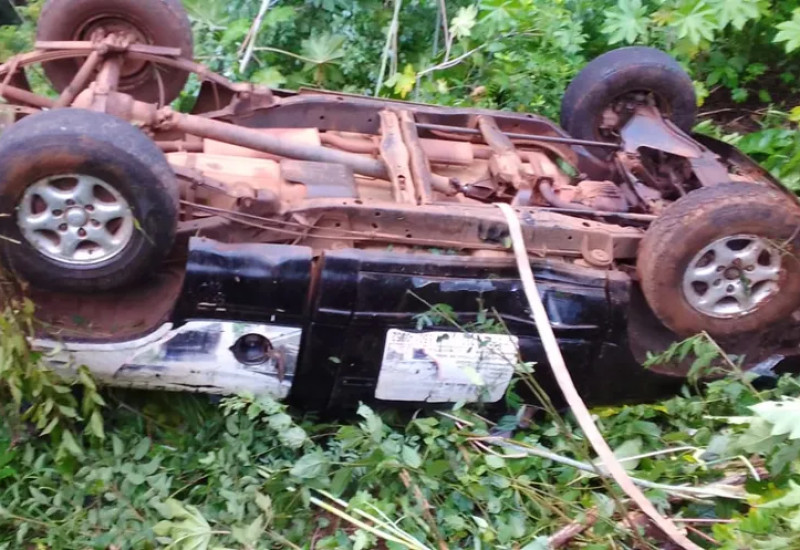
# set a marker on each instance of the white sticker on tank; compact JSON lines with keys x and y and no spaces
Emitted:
{"x":446,"y":367}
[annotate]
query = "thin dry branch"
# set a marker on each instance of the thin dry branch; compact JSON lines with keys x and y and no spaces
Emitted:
{"x":565,"y":535}
{"x":252,"y":34}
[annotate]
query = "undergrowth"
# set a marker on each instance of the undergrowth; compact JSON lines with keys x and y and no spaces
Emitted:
{"x":185,"y":472}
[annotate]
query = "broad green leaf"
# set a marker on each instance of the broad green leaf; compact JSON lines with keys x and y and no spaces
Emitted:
{"x":141,"y":448}
{"x":294,"y":438}
{"x":269,"y":76}
{"x":69,"y":444}
{"x":360,"y":540}
{"x":323,"y":49}
{"x":411,"y":457}
{"x":277,"y":15}
{"x":373,"y":426}
{"x":495,"y":462}
{"x":789,"y":500}
{"x":461,"y":25}
{"x":210,"y":13}
{"x":539,"y":543}
{"x":117,"y":445}
{"x":96,"y":425}
{"x":783,"y":415}
{"x":403,"y":83}
{"x":310,"y":466}
{"x":627,"y":22}
{"x":696,"y":21}
{"x":264,"y":503}
{"x":249,"y":535}
{"x":280,"y":421}
{"x":340,"y":481}
{"x":789,"y":32}
{"x":235,"y":31}
{"x":134,"y":478}
{"x":737,"y":12}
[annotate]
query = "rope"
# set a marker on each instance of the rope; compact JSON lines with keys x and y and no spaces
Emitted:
{"x":562,"y":376}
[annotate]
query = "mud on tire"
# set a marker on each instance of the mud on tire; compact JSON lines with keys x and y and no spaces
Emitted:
{"x":724,"y":259}
{"x":93,"y":202}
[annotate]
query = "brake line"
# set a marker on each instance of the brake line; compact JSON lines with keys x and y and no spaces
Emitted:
{"x":567,"y":386}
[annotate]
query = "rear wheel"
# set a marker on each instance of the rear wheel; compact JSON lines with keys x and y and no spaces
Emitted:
{"x":94,"y":201}
{"x":723,"y":259}
{"x":154,"y":22}
{"x":602,"y":97}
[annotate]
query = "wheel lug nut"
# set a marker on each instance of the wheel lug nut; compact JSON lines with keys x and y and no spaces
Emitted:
{"x":95,"y":223}
{"x":58,"y":213}
{"x":62,"y":227}
{"x":718,"y":282}
{"x":730,"y":288}
{"x":81,"y":232}
{"x":721,"y":268}
{"x":89,"y":208}
{"x":750,"y":267}
{"x":70,"y":202}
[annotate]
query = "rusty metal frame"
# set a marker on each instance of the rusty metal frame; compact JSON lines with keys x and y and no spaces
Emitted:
{"x":397,"y":156}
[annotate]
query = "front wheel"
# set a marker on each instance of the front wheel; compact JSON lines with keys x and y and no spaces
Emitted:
{"x":723,"y":259}
{"x":92,"y":203}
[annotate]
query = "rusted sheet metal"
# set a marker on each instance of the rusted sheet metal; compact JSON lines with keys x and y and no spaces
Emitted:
{"x":322,"y":179}
{"x":343,"y":112}
{"x":418,"y":162}
{"x":647,"y":128}
{"x":395,"y":155}
{"x":477,"y":227}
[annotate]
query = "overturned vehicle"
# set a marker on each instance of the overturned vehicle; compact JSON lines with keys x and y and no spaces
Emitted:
{"x":292,"y":242}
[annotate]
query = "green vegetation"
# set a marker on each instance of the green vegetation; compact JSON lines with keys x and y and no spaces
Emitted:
{"x":130,"y":470}
{"x":181,"y":472}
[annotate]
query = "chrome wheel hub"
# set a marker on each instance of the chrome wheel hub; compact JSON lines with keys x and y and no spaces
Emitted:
{"x":75,"y":219}
{"x":732,"y":276}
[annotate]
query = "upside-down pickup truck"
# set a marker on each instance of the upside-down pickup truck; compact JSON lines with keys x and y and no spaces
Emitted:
{"x":295,"y":243}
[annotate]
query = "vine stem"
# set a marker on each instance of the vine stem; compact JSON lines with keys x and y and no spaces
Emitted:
{"x":390,"y":39}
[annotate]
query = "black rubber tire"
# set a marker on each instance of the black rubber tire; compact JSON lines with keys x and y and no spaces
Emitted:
{"x":700,"y":218}
{"x":624,"y":70}
{"x":68,"y":141}
{"x":161,"y":22}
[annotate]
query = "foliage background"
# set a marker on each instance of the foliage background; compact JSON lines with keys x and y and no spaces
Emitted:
{"x":744,"y":55}
{"x":125,"y":470}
